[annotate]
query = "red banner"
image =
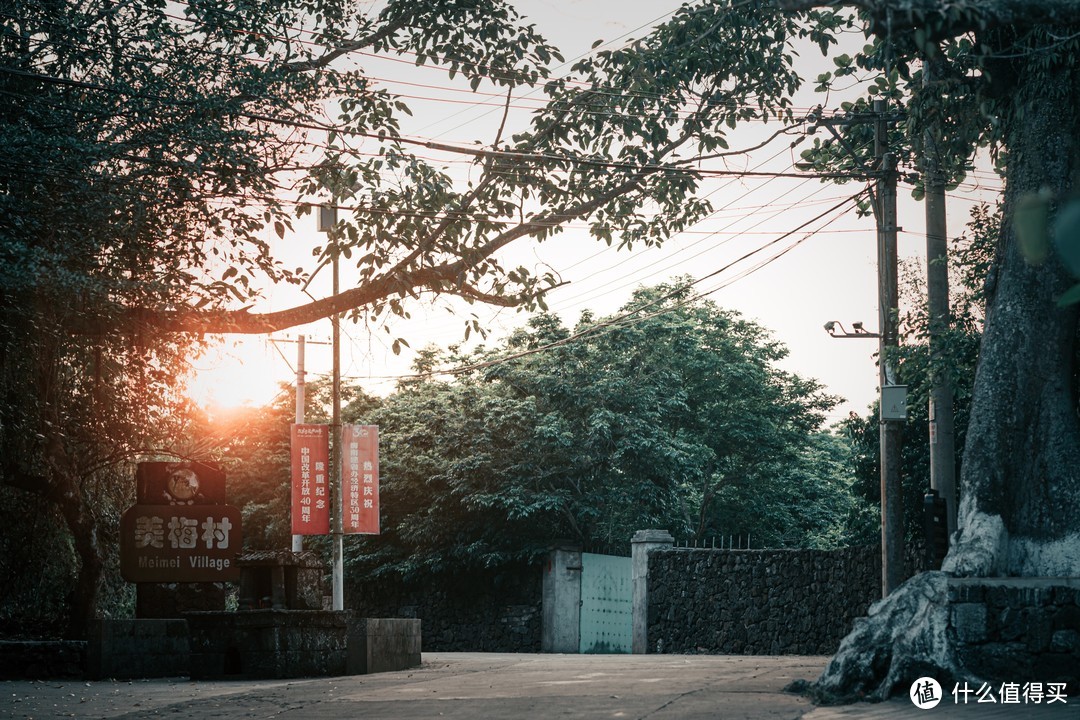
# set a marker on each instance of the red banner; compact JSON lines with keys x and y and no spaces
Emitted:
{"x":360,"y":479}
{"x":310,"y":480}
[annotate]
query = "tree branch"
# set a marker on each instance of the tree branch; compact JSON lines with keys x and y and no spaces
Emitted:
{"x":448,"y":274}
{"x":322,"y":61}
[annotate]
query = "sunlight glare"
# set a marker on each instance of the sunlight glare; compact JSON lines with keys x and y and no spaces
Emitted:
{"x":237,"y":373}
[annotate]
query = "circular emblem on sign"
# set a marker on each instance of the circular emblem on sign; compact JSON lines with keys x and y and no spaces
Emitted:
{"x":183,"y":485}
{"x":925,"y":693}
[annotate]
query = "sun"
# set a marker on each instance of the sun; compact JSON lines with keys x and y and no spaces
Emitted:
{"x":240,"y":372}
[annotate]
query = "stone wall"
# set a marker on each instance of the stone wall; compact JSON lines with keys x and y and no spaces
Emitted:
{"x":42,"y":659}
{"x":758,"y":602}
{"x":1018,"y":629}
{"x":141,"y":648}
{"x":383,"y":645}
{"x":465,"y":612}
{"x":268,"y":644}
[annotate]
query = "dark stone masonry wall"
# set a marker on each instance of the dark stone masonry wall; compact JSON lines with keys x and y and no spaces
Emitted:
{"x":464,"y":612}
{"x":42,"y":659}
{"x":1019,"y":629}
{"x":758,"y":602}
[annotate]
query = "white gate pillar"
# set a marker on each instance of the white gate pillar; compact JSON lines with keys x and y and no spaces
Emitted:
{"x":642,"y":543}
{"x":561,"y":603}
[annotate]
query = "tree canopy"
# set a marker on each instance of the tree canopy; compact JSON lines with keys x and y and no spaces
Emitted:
{"x":146,"y":147}
{"x":150,"y":146}
{"x":678,"y":417}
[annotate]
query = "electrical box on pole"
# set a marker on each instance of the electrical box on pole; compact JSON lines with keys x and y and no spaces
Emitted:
{"x":893,"y":403}
{"x":326,"y":218}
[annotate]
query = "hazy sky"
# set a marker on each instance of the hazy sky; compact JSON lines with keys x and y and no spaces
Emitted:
{"x":828,"y":274}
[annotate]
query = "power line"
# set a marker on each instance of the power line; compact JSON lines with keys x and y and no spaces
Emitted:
{"x":635,"y":313}
{"x":676,"y":166}
{"x":230,"y":57}
{"x":591,"y":294}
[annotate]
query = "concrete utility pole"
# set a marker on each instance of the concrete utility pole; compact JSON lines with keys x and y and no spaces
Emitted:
{"x":892,"y":509}
{"x":942,"y":434}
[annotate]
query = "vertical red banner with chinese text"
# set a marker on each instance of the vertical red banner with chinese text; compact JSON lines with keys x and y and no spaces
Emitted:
{"x":310,"y":480}
{"x":360,"y":479}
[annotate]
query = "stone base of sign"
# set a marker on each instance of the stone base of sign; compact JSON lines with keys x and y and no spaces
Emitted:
{"x":261,"y":644}
{"x":124,"y":649}
{"x":172,"y":600}
{"x":281,"y":580}
{"x":1018,"y":629}
{"x":383,"y":645}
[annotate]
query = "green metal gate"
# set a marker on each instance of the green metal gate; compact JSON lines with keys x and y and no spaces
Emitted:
{"x":606,"y":621}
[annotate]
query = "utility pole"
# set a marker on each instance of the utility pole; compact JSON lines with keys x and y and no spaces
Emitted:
{"x":942,"y":434}
{"x":298,"y":540}
{"x":892,"y":510}
{"x":338,"y":572}
{"x":327,"y":218}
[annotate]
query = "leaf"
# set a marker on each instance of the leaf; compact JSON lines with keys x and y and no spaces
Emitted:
{"x":1067,"y":236}
{"x":1070,"y":296}
{"x":920,"y":38}
{"x":1030,"y":221}
{"x":279,"y":229}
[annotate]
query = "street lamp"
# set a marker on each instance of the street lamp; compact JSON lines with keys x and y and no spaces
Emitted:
{"x":857,"y":330}
{"x":893,"y":396}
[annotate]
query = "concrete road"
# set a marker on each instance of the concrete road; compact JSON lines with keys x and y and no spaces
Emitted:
{"x":476,"y":686}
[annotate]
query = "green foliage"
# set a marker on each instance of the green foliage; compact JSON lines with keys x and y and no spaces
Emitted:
{"x":677,"y":417}
{"x":252,"y":446}
{"x":669,"y":98}
{"x":147,"y":150}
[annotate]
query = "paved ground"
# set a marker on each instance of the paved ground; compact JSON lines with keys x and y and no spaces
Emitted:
{"x":475,"y":686}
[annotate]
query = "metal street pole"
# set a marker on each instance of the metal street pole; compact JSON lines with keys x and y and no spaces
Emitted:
{"x":338,"y":571}
{"x":892,"y":510}
{"x":298,"y":540}
{"x":327,"y":218}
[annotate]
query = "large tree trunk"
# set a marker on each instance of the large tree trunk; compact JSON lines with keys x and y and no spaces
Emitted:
{"x":1020,"y":483}
{"x":1021,"y":474}
{"x":62,"y":487}
{"x":85,"y":594}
